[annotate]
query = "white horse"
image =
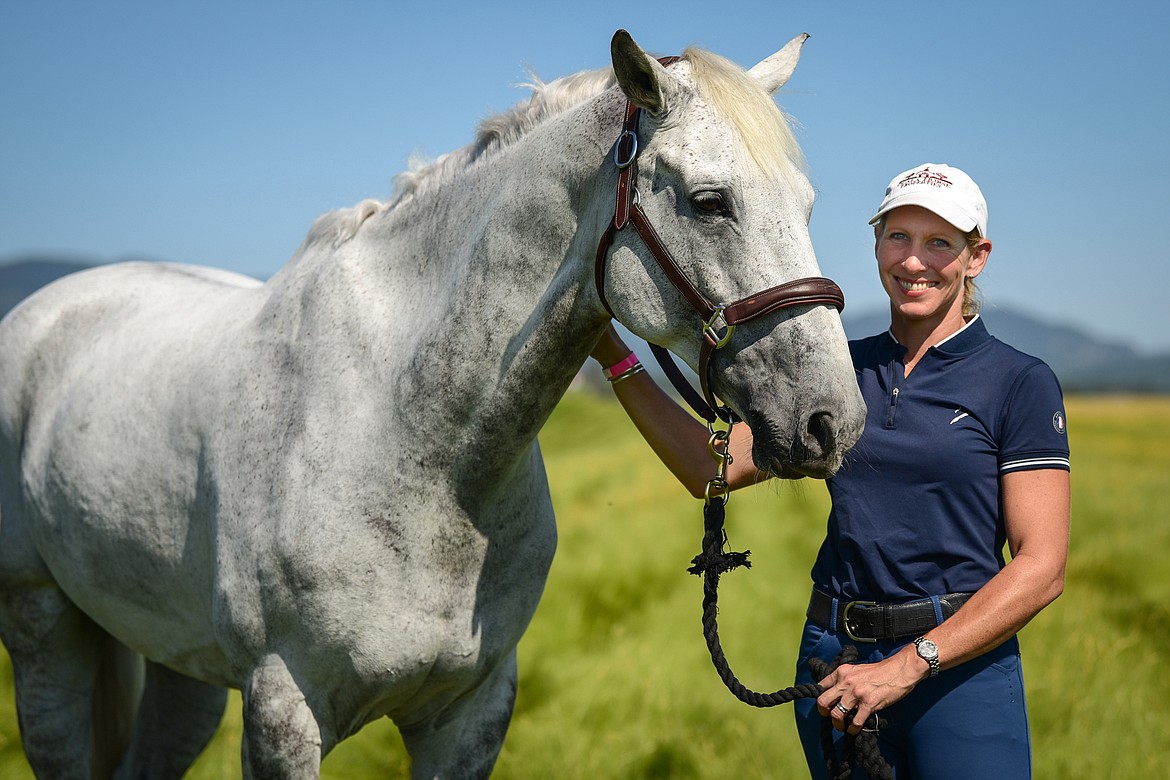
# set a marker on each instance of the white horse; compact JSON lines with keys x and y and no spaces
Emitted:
{"x":326,"y":490}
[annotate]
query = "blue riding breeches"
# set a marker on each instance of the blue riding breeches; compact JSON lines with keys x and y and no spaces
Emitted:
{"x":969,"y":722}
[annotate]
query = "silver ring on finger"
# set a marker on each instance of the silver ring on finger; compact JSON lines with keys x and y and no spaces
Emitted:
{"x":841,"y":708}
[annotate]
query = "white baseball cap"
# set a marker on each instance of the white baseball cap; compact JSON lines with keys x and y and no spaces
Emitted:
{"x":946,"y":191}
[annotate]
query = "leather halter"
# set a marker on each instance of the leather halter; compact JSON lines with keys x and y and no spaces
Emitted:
{"x":719,"y":319}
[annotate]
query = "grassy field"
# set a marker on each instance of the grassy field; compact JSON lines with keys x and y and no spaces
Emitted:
{"x":615,"y":680}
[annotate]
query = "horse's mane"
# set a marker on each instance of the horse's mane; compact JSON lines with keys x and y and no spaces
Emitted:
{"x":763,"y":129}
{"x":506,"y":127}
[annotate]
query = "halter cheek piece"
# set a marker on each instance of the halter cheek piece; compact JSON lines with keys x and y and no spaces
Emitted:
{"x":719,"y":320}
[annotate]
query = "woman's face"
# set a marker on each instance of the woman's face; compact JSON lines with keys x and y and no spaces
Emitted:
{"x":923,"y":261}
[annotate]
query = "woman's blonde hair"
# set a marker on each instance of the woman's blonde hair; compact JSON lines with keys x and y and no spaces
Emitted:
{"x":971,"y":295}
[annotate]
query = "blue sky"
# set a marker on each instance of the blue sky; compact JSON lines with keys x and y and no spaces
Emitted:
{"x":215,"y":132}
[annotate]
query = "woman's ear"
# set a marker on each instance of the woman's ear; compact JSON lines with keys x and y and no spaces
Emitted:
{"x":979,"y":258}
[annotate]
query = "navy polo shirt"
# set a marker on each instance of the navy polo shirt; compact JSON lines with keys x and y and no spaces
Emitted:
{"x":916,"y":505}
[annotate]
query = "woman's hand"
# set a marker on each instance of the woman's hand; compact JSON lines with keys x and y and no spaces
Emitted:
{"x":1036,"y":516}
{"x":853,"y":692}
{"x":678,"y":439}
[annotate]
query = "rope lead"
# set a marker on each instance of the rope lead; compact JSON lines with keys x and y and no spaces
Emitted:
{"x":712,"y":562}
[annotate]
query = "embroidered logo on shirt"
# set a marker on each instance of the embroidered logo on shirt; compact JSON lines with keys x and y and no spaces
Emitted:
{"x":1058,"y":422}
{"x":960,"y":415}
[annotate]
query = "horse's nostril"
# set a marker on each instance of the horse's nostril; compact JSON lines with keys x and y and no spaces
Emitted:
{"x":821,"y":435}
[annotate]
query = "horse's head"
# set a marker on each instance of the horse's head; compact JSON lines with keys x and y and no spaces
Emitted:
{"x":719,"y":177}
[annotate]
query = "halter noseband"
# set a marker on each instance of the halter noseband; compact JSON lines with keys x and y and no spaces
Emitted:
{"x":719,"y":319}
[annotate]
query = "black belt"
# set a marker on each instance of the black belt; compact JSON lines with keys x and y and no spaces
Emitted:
{"x":865,"y":621}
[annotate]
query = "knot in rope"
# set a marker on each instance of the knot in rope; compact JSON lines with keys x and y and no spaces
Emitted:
{"x":719,"y":562}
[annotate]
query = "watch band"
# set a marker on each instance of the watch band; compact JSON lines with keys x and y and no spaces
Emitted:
{"x":928,"y":651}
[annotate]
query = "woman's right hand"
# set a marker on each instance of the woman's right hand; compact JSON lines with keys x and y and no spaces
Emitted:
{"x":679,"y":439}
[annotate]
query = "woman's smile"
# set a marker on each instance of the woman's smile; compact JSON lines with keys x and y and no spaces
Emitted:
{"x":916,"y":285}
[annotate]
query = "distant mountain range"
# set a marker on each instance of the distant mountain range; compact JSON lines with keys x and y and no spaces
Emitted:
{"x":21,"y":278}
{"x":1083,"y":363}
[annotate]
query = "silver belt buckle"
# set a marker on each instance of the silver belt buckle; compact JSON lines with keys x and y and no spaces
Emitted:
{"x":845,"y":620}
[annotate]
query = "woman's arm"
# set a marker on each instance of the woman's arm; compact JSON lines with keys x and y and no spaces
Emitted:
{"x":679,"y":440}
{"x":1037,"y":516}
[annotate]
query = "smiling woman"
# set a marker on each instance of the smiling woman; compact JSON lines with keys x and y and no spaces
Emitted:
{"x":964,"y":448}
{"x":966,"y":454}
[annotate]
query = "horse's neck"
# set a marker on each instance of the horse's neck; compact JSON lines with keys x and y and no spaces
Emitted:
{"x":482,"y":293}
{"x":518,"y":318}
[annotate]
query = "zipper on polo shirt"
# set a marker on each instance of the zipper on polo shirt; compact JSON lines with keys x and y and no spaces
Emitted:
{"x":893,"y":407}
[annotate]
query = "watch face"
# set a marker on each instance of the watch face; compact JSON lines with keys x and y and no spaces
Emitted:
{"x":927,"y":649}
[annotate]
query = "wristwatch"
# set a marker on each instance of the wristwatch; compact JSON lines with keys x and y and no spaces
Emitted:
{"x":928,"y":651}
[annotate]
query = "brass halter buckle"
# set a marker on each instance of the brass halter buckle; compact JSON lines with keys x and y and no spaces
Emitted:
{"x":710,"y":331}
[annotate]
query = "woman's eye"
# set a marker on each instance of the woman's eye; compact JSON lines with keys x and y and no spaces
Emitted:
{"x":709,"y":202}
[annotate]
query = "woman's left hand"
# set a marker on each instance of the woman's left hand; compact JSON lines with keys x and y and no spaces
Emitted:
{"x":853,"y":692}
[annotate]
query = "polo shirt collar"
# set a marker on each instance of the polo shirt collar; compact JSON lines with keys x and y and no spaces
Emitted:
{"x":965,"y":339}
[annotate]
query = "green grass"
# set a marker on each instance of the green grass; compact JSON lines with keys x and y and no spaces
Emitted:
{"x":615,"y":681}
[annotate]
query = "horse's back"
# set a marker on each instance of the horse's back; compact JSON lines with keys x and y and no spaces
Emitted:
{"x":93,"y":298}
{"x":106,"y":313}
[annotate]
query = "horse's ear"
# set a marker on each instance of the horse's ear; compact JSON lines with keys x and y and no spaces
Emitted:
{"x":638,"y":74}
{"x":774,"y":72}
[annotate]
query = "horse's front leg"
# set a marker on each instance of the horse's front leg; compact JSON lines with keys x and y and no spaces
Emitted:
{"x":281,"y":736}
{"x":464,"y":740}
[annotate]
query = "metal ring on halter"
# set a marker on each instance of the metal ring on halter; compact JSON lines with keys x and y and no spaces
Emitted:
{"x":710,"y":332}
{"x":726,"y":414}
{"x":617,"y":149}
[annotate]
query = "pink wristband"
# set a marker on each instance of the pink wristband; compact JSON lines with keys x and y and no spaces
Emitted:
{"x":619,"y":368}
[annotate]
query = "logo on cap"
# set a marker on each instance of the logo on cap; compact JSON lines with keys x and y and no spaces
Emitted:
{"x":927,"y":177}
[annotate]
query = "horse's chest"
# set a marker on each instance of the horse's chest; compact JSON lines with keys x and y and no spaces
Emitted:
{"x":419,"y":585}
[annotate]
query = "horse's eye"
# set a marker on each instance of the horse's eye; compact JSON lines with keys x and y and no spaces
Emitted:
{"x":709,"y":201}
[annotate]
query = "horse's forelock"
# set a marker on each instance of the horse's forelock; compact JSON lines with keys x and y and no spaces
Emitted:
{"x":762,"y":126}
